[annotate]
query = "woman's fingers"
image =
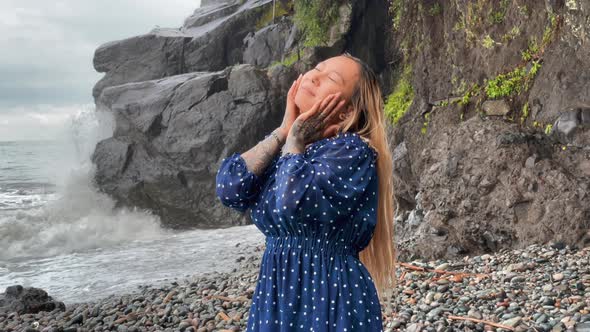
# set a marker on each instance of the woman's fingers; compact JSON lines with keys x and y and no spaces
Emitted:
{"x":298,"y":82}
{"x":321,"y":109}
{"x":325,"y":102}
{"x":292,"y":90}
{"x":294,"y":87}
{"x":324,"y":111}
{"x":334,"y":111}
{"x":313,"y":110}
{"x":329,"y":108}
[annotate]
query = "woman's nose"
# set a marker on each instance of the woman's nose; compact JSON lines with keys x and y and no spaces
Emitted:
{"x":315,"y":80}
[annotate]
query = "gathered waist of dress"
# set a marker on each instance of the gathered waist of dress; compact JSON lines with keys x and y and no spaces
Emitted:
{"x":313,"y":244}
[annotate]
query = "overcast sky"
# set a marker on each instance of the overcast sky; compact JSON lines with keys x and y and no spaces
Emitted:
{"x":47,"y":49}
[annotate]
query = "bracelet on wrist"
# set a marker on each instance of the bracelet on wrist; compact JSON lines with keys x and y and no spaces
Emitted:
{"x":274,"y":134}
{"x":278,"y":137}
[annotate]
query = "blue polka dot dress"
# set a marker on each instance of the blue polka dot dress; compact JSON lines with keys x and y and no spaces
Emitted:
{"x":318,"y":210}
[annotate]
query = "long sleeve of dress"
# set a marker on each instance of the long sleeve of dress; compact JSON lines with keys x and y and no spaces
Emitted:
{"x":327,"y":183}
{"x":236,"y":186}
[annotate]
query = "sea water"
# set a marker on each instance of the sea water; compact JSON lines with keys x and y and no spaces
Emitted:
{"x":61,"y":234}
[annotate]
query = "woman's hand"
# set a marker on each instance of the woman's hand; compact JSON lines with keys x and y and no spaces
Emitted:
{"x":320,"y":121}
{"x":291,"y":111}
{"x":315,"y":124}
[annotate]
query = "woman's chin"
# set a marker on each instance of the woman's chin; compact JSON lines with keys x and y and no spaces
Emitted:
{"x":304,"y":109}
{"x":304,"y":103}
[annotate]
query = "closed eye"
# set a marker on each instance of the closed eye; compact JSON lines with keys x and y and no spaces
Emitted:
{"x":328,"y":77}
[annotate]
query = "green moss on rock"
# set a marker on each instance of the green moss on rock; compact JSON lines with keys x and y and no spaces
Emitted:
{"x":513,"y":82}
{"x":280,"y":9}
{"x":288,"y":60}
{"x":315,"y":18}
{"x":400,"y":100}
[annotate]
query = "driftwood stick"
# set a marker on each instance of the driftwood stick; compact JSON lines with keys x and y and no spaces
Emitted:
{"x":225,"y":298}
{"x":223,"y":315}
{"x":422,"y":269}
{"x":506,"y":327}
{"x":401,"y":278}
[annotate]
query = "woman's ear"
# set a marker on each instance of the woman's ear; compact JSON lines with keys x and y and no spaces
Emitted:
{"x":349,"y":109}
{"x":346,"y":113}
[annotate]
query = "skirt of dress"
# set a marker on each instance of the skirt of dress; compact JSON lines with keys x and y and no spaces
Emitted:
{"x":306,"y":285}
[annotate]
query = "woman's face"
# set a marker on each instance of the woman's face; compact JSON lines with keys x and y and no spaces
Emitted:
{"x":336,"y":74}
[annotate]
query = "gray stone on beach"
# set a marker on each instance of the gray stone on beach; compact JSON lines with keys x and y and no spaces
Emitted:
{"x":512,"y":322}
{"x":27,"y":300}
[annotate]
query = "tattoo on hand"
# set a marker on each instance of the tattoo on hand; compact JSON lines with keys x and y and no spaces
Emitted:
{"x":260,"y":156}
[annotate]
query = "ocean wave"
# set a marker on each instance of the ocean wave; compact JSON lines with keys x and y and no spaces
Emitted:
{"x":81,"y":218}
{"x":72,"y":215}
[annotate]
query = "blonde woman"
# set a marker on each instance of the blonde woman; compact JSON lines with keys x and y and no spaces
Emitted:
{"x":319,"y":188}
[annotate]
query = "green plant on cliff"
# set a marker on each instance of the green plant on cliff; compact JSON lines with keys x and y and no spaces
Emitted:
{"x":510,"y":35}
{"x":459,"y":25}
{"x":471,"y":19}
{"x":488,"y":42}
{"x":520,"y":79}
{"x":525,"y":113}
{"x":497,"y":15}
{"x":280,"y":9}
{"x":435,"y":9}
{"x":550,"y":30}
{"x":535,"y":66}
{"x":315,"y":18}
{"x":524,"y":10}
{"x":288,"y":60}
{"x":466,"y":98}
{"x":531,"y":51}
{"x":396,"y":9}
{"x":400,"y":100}
{"x":425,"y":123}
{"x":459,"y":88}
{"x":506,"y":84}
{"x":513,"y":82}
{"x":475,"y":10}
{"x":548,"y":129}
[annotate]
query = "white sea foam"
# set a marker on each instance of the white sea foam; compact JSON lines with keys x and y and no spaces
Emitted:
{"x":73,"y":215}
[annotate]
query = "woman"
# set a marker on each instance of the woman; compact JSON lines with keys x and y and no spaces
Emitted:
{"x":319,"y":188}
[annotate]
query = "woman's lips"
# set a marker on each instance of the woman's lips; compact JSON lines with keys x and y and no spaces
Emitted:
{"x":307,"y":90}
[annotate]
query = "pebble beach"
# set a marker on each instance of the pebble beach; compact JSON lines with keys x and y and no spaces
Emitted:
{"x":539,"y":288}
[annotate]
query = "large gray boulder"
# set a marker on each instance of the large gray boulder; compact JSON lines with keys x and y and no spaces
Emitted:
{"x":172,"y":133}
{"x":27,"y":300}
{"x":268,"y":44}
{"x":211,"y":39}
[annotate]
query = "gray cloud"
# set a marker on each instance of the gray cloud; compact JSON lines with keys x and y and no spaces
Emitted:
{"x":48,"y":46}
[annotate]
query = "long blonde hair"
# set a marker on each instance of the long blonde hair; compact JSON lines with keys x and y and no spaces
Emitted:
{"x":367,"y":120}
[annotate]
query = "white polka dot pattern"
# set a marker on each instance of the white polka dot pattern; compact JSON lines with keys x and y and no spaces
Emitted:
{"x":317,"y":210}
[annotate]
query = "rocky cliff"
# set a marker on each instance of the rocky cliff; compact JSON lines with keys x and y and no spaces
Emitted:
{"x":487,"y":101}
{"x":183,"y":99}
{"x":494,"y":150}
